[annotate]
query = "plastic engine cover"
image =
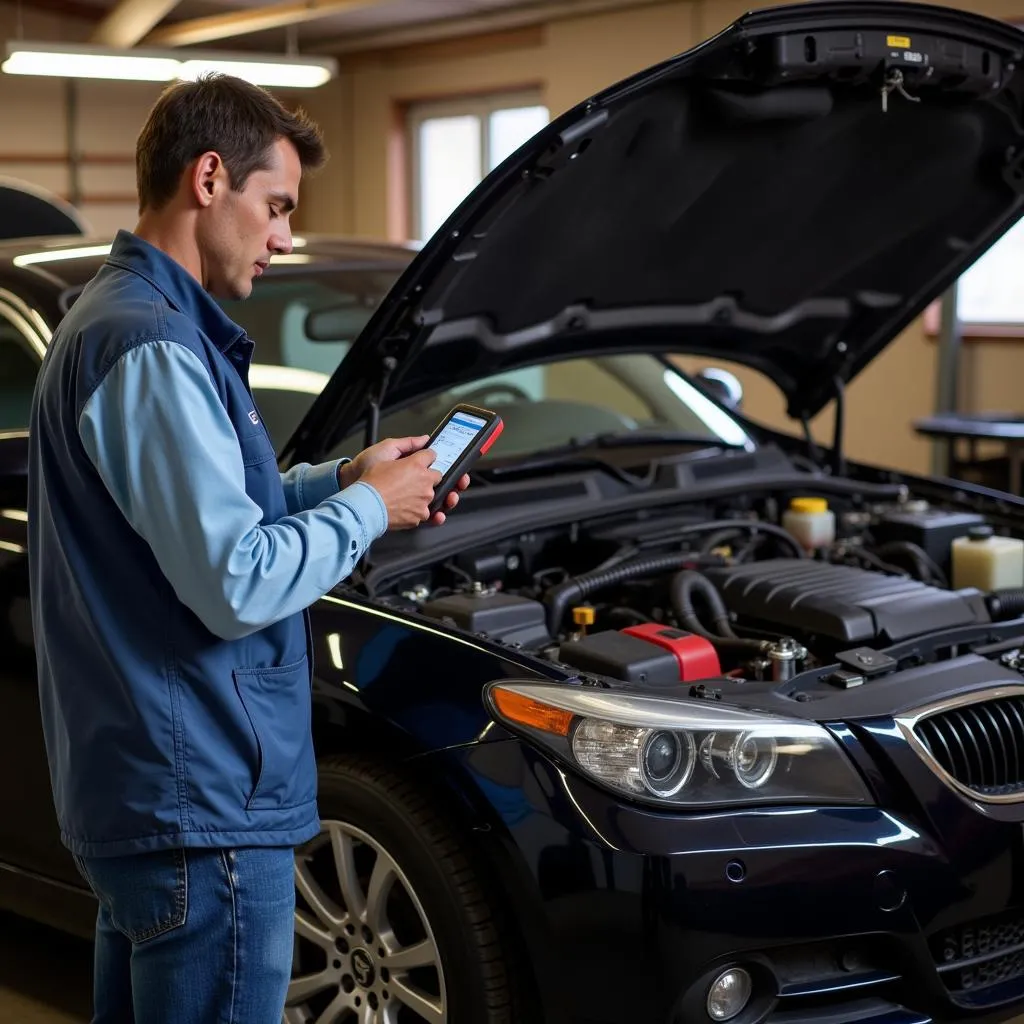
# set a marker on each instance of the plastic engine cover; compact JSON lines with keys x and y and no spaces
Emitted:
{"x":844,"y":603}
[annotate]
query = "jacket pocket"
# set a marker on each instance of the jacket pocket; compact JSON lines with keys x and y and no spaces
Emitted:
{"x":256,"y":448}
{"x":277,"y":702}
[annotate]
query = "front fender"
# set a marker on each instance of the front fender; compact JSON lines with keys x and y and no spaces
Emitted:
{"x":383,"y":676}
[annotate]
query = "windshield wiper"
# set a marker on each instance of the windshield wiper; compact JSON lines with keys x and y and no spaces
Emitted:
{"x":564,"y":459}
{"x":629,"y":438}
{"x":573,"y":454}
{"x":655,"y":435}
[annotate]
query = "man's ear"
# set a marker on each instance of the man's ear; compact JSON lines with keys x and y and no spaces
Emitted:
{"x":208,"y":176}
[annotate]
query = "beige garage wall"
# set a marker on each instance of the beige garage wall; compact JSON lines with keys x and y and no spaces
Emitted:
{"x":35,"y":141}
{"x":362,"y":190}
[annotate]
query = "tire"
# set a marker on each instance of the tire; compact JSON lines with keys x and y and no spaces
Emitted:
{"x":412,"y":881}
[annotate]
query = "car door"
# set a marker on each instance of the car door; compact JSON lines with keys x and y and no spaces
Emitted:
{"x":29,"y":837}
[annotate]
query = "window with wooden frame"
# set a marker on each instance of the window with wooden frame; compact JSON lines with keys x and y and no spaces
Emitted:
{"x":454,"y":144}
{"x":989,"y":294}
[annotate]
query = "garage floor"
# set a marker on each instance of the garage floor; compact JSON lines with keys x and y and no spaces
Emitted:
{"x":46,"y":977}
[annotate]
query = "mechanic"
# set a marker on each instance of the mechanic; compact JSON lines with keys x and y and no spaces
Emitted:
{"x":172,"y":564}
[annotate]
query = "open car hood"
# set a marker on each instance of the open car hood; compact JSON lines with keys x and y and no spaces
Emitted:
{"x":753,"y":200}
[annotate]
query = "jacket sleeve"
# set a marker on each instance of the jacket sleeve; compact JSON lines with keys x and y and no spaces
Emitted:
{"x":167,"y":451}
{"x":305,"y":486}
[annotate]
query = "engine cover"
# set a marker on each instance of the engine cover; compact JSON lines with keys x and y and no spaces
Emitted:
{"x":846,"y":604}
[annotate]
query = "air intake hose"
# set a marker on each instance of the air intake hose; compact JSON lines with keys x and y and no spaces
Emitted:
{"x":688,"y":583}
{"x":561,"y":596}
{"x":1006,"y":604}
{"x":684,"y":585}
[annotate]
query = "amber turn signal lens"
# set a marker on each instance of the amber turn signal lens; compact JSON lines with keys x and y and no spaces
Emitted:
{"x":527,"y":711}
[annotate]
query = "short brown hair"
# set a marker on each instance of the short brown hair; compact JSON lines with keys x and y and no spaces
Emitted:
{"x":239,"y":121}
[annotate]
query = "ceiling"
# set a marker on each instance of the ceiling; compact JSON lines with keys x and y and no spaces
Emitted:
{"x":344,"y":21}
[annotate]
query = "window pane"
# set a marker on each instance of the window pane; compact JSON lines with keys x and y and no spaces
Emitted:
{"x":449,"y":167}
{"x":547,"y":406}
{"x":990,"y":291}
{"x":303,"y":323}
{"x":510,"y":128}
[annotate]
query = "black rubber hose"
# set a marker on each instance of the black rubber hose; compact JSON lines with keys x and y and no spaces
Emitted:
{"x":631,"y":615}
{"x":872,"y":559}
{"x":560,"y":596}
{"x":721,"y":525}
{"x":1006,"y":604}
{"x":923,"y":564}
{"x":688,"y":583}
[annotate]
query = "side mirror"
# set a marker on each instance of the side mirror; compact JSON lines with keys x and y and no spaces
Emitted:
{"x":723,"y":385}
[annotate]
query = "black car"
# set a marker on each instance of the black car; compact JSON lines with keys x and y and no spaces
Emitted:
{"x":676,"y":719}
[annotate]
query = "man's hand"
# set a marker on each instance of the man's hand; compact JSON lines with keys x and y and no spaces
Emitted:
{"x":392,"y":449}
{"x":388,"y":450}
{"x":406,"y":487}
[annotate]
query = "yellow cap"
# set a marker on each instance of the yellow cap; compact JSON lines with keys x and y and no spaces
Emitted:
{"x":809,"y":505}
{"x":583,"y":615}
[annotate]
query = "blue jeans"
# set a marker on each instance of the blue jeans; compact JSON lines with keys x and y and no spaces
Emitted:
{"x":192,"y":936}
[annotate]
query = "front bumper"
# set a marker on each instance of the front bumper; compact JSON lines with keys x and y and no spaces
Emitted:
{"x":840,"y":914}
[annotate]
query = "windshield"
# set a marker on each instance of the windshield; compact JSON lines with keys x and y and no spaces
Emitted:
{"x":303,"y":323}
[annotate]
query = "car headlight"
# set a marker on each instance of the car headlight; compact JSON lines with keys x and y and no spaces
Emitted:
{"x":681,"y":752}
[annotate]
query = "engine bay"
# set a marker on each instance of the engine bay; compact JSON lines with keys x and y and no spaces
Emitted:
{"x":767,"y":586}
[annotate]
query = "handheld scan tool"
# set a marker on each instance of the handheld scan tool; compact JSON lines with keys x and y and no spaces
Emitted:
{"x":460,"y":439}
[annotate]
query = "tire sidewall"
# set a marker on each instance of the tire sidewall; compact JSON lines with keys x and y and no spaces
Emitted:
{"x":354,"y":800}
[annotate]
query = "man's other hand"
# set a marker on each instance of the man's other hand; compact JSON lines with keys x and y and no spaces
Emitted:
{"x":392,"y":449}
{"x":388,"y":450}
{"x":406,"y":487}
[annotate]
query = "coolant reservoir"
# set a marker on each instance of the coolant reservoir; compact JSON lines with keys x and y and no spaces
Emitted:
{"x":987,"y":562}
{"x":811,"y":522}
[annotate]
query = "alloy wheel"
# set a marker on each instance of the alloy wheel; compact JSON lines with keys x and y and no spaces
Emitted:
{"x":364,"y":950}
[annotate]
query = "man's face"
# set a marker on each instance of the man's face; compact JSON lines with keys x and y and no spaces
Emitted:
{"x":243,"y":230}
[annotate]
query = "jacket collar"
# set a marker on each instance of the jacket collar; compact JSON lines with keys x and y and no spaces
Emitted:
{"x":177,"y":285}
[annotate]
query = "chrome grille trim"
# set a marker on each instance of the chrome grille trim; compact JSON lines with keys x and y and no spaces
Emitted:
{"x":976,"y":746}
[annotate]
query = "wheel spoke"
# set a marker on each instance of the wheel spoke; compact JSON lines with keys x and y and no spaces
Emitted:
{"x":345,"y":864}
{"x":320,"y":903}
{"x":302,"y":988}
{"x":429,"y":1008}
{"x":422,"y":954}
{"x":333,"y":1014}
{"x":381,"y":881}
{"x":368,"y":1015}
{"x":307,"y":928}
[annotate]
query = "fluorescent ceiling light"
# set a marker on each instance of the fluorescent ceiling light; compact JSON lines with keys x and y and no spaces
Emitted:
{"x":64,"y":60}
{"x":270,"y":73}
{"x":92,"y":65}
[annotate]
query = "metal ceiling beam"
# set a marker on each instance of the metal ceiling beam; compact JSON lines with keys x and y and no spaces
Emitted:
{"x":257,"y":19}
{"x":498,"y":20}
{"x":129,"y":21}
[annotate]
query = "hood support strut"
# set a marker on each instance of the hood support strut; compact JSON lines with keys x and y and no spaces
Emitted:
{"x":387,"y":367}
